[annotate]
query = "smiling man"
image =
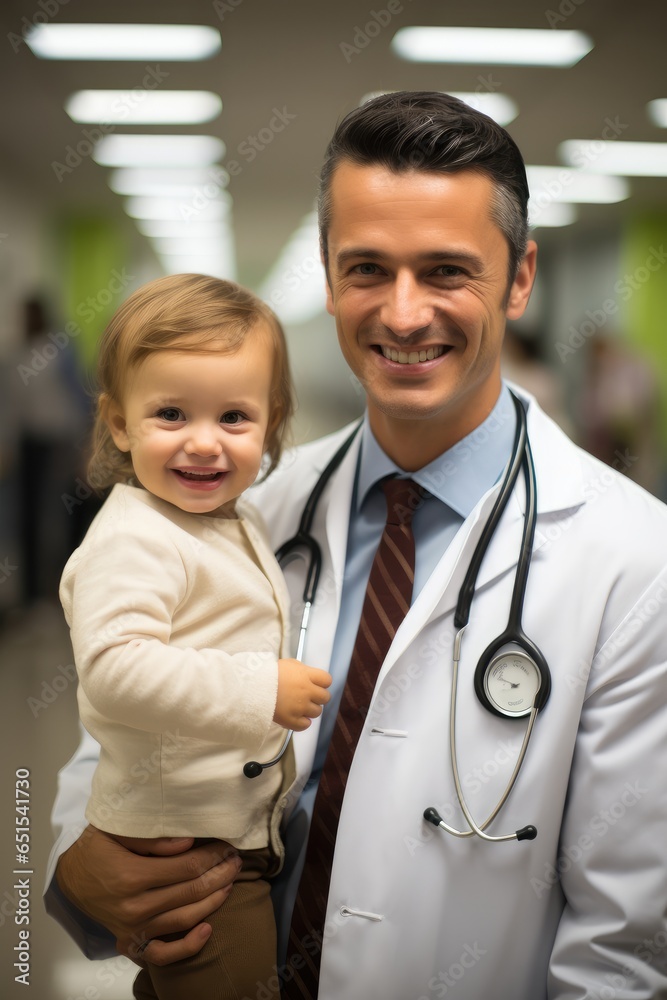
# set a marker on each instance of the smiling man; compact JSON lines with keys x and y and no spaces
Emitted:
{"x":424,"y":238}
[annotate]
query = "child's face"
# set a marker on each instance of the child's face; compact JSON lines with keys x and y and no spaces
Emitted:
{"x":195,"y":424}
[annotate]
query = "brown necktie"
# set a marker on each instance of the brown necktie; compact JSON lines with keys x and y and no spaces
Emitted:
{"x":386,"y":603}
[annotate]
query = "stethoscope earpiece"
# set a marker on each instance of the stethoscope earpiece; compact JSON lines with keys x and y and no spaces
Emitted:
{"x":431,"y":815}
{"x":253,"y":769}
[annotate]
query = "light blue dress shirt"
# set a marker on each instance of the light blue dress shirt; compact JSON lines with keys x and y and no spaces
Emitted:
{"x":455,"y":482}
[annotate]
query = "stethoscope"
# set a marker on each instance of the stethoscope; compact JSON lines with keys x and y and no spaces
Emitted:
{"x":515,"y":683}
{"x":295,"y":548}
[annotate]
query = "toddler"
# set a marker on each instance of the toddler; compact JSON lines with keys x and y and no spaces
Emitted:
{"x":178,"y":609}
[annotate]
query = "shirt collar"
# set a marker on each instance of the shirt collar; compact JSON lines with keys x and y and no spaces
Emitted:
{"x":462,"y":474}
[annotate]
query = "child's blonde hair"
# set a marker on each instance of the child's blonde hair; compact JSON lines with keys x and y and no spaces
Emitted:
{"x":182,"y":312}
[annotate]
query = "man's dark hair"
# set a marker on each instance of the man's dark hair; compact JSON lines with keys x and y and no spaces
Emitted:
{"x":423,"y":130}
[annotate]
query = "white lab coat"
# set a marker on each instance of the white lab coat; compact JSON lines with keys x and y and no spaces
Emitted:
{"x":415,"y":914}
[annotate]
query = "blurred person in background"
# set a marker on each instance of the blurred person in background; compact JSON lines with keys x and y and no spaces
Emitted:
{"x":51,"y":415}
{"x":618,"y":410}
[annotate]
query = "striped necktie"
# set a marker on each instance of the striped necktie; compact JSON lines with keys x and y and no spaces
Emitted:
{"x":386,"y":603}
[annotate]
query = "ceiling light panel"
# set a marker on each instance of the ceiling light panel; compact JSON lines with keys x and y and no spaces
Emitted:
{"x":492,"y":46}
{"x":550,"y":215}
{"x":500,"y":107}
{"x":657,"y":112}
{"x":629,"y":159}
{"x":144,"y":107}
{"x":169,"y":183}
{"x":562,"y":184}
{"x":177,"y":210}
{"x":186,"y":229}
{"x":94,"y":42}
{"x":158,"y":150}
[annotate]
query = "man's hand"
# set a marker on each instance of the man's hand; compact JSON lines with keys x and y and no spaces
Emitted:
{"x":302,"y":691}
{"x":139,"y":898}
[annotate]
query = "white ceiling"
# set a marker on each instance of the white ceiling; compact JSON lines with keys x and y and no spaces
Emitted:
{"x":291,"y":55}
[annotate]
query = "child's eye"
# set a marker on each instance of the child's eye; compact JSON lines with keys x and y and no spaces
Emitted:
{"x":170,"y":413}
{"x":232,"y":417}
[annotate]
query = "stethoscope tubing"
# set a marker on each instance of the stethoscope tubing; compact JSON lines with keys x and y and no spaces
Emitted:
{"x":294,"y":548}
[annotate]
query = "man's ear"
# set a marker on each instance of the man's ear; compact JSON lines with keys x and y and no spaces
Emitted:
{"x":113,"y":417}
{"x":521,"y":287}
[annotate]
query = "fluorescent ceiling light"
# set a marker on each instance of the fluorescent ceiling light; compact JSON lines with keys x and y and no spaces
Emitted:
{"x":500,"y":107}
{"x":631,"y":159}
{"x":169,"y":183}
{"x":158,"y":150}
{"x":175,"y":246}
{"x":562,"y":184}
{"x":657,"y":112}
{"x":175,"y":42}
{"x":188,"y":229}
{"x":174,"y":209}
{"x":495,"y":46}
{"x":551,"y":215}
{"x":144,"y":107}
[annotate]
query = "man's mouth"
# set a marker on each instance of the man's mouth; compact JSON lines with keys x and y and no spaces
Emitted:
{"x":413,"y":357}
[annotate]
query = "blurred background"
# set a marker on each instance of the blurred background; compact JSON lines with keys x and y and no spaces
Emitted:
{"x":125,"y":155}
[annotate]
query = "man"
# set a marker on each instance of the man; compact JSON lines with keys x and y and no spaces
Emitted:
{"x":423,"y":224}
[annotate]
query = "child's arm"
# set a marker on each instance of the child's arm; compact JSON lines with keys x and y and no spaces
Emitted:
{"x":302,"y":691}
{"x":120,"y":597}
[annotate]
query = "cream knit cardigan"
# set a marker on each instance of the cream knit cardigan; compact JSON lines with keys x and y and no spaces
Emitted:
{"x":177,"y":622}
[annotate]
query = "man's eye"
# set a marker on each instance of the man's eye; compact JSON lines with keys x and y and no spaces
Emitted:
{"x":232,"y":417}
{"x":170,"y":414}
{"x":367,"y":269}
{"x":450,"y":271}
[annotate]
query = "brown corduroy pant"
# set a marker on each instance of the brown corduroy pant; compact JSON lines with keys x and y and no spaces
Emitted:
{"x":238,"y":962}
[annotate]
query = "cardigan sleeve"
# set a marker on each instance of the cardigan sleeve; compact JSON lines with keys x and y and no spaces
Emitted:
{"x":119,"y":599}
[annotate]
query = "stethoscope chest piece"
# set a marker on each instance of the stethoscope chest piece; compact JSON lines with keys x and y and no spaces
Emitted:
{"x":509,"y":684}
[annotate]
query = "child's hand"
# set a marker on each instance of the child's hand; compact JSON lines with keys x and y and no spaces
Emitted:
{"x":302,"y":691}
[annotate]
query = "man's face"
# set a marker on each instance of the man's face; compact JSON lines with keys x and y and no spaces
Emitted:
{"x":419,"y":289}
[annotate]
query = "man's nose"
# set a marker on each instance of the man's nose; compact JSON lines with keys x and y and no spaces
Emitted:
{"x":203,"y":439}
{"x":408,"y":307}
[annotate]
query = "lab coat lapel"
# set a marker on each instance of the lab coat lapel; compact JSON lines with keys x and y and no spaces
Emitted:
{"x":330,"y":527}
